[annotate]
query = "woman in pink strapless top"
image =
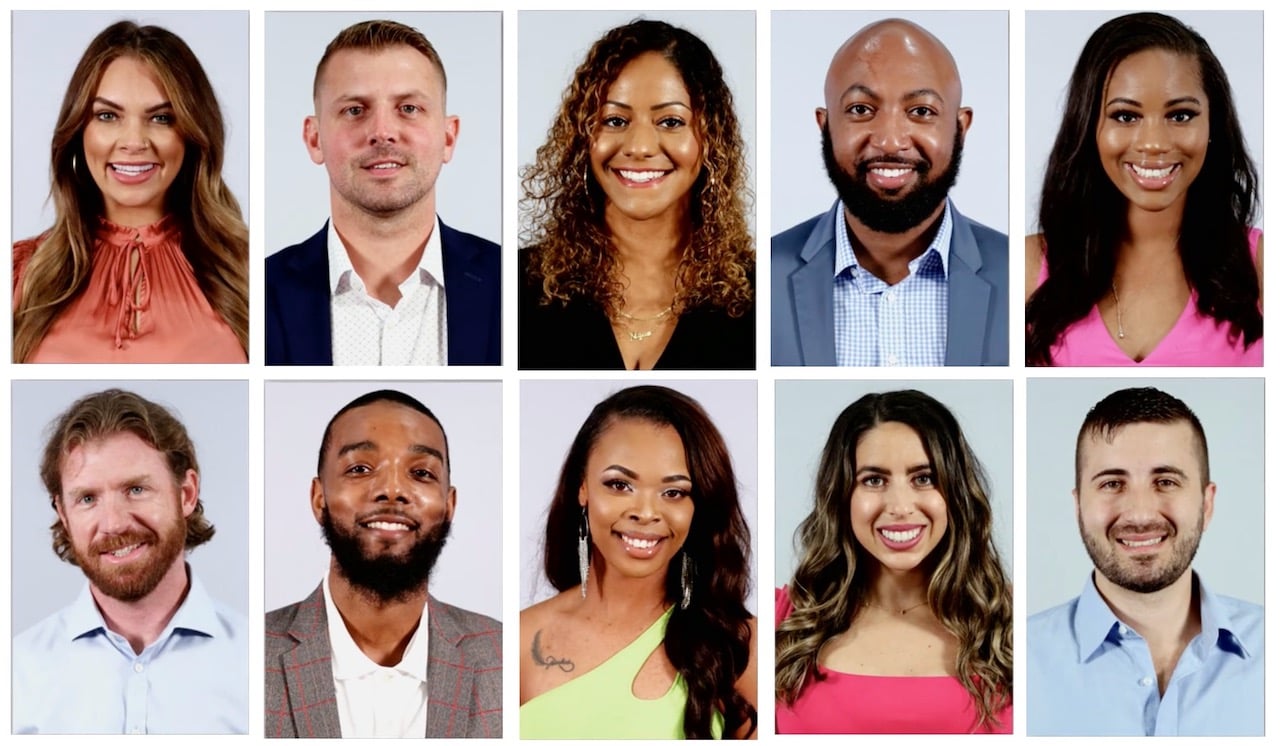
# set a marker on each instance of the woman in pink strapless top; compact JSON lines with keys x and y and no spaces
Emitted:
{"x":898,"y":618}
{"x":1148,"y":255}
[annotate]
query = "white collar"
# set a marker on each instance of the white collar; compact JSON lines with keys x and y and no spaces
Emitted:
{"x":342,"y":275}
{"x":350,"y":662}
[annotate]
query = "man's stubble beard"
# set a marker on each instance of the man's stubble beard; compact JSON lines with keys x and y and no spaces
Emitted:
{"x":1114,"y":569}
{"x":900,"y":214}
{"x":135,"y":580}
{"x":384,"y":578}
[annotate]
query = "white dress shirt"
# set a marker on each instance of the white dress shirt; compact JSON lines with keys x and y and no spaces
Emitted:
{"x":367,"y":331}
{"x":378,"y":701}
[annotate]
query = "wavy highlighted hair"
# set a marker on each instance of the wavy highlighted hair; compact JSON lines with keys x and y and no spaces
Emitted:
{"x":215,"y":239}
{"x":709,"y":643}
{"x":108,"y":413}
{"x":563,"y":206}
{"x":968,"y":591}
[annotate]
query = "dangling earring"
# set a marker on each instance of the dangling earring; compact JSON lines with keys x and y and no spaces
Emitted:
{"x":686,"y":587}
{"x":584,"y":551}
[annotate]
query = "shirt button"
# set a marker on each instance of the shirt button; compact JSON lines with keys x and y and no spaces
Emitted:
{"x":1124,"y":631}
{"x":138,"y":668}
{"x":890,"y":296}
{"x":1145,"y":681}
{"x":891,"y":359}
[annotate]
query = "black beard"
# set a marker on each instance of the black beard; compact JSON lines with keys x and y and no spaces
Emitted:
{"x":896,"y":215}
{"x":385,"y":578}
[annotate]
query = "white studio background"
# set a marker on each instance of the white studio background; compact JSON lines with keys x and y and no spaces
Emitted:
{"x":469,"y":188}
{"x":49,"y":45}
{"x":216,"y":416}
{"x":806,"y":410}
{"x":1231,"y":551}
{"x":1054,"y":41}
{"x":804,"y":43}
{"x":554,"y":43}
{"x":552,"y":412}
{"x":469,"y":571}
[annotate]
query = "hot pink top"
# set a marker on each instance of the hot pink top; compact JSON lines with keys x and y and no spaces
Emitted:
{"x":142,"y":304}
{"x":853,"y":703}
{"x":1195,"y":340}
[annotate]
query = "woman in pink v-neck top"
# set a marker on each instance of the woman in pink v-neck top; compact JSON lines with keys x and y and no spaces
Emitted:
{"x":898,"y":597}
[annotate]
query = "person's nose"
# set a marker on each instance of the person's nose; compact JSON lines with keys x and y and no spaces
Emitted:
{"x":114,"y":516}
{"x":1153,"y":136}
{"x":642,"y":140}
{"x":133,"y":136}
{"x":391,"y":485}
{"x":899,"y":500}
{"x":891,"y":133}
{"x":643,"y":507}
{"x":383,"y":125}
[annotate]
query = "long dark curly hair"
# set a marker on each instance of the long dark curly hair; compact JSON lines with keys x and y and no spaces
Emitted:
{"x":968,"y":591}
{"x":709,"y":642}
{"x":1083,"y":214}
{"x":563,"y":206}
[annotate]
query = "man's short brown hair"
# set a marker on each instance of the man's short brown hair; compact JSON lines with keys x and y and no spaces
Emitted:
{"x":375,"y":36}
{"x":108,"y":413}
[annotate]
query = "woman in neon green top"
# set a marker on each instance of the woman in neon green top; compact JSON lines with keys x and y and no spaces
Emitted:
{"x":649,"y":636}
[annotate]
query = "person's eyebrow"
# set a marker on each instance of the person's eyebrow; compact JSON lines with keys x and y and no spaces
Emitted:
{"x":149,"y":110}
{"x":1169,"y":469}
{"x":427,"y":450}
{"x":864,"y":90}
{"x":1111,"y":472}
{"x":921,"y":93}
{"x":361,"y":445}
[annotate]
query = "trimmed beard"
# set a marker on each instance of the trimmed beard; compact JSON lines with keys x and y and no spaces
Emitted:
{"x":906,"y":211}
{"x":1141,"y":575}
{"x":135,"y":580}
{"x":385,"y":578}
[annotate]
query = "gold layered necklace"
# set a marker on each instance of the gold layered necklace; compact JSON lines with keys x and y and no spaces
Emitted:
{"x":629,"y":323}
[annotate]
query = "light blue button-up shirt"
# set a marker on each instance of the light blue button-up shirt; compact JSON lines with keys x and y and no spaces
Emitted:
{"x":73,"y":675}
{"x":1090,"y":674}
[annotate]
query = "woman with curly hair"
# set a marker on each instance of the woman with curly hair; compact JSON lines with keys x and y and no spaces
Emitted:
{"x":649,"y":636}
{"x":639,"y":255}
{"x":899,"y":616}
{"x":1147,"y":254}
{"x":147,"y":259}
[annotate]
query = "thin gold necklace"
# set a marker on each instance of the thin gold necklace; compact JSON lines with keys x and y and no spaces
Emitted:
{"x":899,"y":612}
{"x":1119,"y":316}
{"x":627,"y":320}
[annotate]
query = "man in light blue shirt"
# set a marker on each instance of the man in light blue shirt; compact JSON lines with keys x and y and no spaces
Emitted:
{"x":1147,"y":648}
{"x":144,"y":648}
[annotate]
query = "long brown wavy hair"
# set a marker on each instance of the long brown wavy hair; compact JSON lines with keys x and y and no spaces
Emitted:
{"x":563,"y":206}
{"x":108,"y":413}
{"x":968,"y":590}
{"x":215,"y":239}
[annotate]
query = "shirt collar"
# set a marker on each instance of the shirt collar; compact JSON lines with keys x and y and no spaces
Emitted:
{"x":940,"y":245}
{"x":1095,"y":623}
{"x":197,"y":613}
{"x":350,"y":662}
{"x":342,"y":276}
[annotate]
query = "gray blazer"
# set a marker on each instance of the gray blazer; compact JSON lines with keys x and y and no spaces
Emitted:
{"x":804,"y":260}
{"x":464,"y":673}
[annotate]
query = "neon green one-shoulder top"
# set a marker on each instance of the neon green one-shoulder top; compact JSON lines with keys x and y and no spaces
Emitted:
{"x":599,"y":703}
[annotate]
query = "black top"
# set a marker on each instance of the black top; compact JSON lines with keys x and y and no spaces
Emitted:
{"x":579,"y":336}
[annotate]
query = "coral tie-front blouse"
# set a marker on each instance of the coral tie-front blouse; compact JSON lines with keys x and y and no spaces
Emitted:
{"x":142,"y":304}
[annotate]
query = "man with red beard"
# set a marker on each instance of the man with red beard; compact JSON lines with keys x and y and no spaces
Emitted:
{"x":144,"y":648}
{"x":892,"y":274}
{"x":1147,"y":648}
{"x":370,"y":653}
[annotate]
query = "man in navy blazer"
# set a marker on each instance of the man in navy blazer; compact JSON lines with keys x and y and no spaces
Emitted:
{"x":385,"y":281}
{"x":908,"y":280}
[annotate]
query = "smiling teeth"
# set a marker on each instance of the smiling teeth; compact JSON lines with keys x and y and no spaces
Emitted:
{"x":133,"y":169}
{"x":640,"y":543}
{"x":642,"y":175}
{"x":892,"y":173}
{"x":1153,"y":173}
{"x":1144,"y":543}
{"x":384,"y":166}
{"x":387,"y":526}
{"x":901,"y":536}
{"x":122,"y":551}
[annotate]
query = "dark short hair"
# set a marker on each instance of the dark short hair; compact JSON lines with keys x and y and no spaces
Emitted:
{"x":1136,"y":405}
{"x":113,"y":412}
{"x":375,"y":36}
{"x":373,"y":397}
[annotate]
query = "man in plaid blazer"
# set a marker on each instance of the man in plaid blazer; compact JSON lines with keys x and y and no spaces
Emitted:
{"x":370,"y":652}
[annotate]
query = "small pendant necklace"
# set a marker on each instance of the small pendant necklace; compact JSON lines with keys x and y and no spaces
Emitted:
{"x":899,"y":612}
{"x":639,"y":336}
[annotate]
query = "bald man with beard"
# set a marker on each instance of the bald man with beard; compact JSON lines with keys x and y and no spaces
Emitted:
{"x":892,"y":274}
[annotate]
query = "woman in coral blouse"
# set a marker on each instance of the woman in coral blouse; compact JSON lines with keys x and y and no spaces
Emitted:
{"x":899,"y":616}
{"x":147,"y":259}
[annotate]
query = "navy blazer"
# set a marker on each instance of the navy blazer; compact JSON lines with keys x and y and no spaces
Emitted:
{"x":804,"y":260}
{"x":300,"y":323}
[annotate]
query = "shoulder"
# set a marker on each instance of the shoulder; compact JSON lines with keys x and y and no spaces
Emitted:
{"x":1034,"y":261}
{"x":782,"y":604}
{"x":469,"y":623}
{"x":455,"y":242}
{"x":1044,"y":627}
{"x":793,"y":238}
{"x":39,"y":638}
{"x":1246,"y":620}
{"x":307,"y":615}
{"x":311,"y":250}
{"x":22,"y":252}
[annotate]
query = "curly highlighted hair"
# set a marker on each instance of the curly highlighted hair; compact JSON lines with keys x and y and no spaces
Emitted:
{"x":563,"y":206}
{"x":968,"y":591}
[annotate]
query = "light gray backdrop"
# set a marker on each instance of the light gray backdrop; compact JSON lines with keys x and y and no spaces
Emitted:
{"x":469,"y":189}
{"x":803,"y":45}
{"x":806,"y":410}
{"x":215,"y":414}
{"x":47,"y":46}
{"x":1054,"y":42}
{"x":469,"y":572}
{"x":1231,"y":551}
{"x":551,"y":412}
{"x":554,"y":43}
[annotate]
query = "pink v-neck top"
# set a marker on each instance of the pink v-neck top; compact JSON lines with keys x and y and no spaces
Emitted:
{"x":142,"y":304}
{"x":1194,"y":341}
{"x":854,"y":703}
